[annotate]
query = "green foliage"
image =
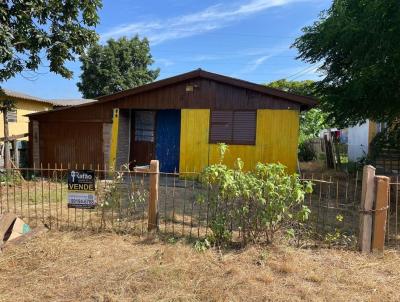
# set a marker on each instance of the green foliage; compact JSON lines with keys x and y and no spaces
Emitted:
{"x":172,"y":240}
{"x":202,"y":245}
{"x":119,"y":65}
{"x":7,"y":104}
{"x":306,"y":151}
{"x":36,"y":29}
{"x":260,"y":202}
{"x":113,"y":193}
{"x":388,"y":138}
{"x":10,"y":178}
{"x":311,"y":121}
{"x":357,"y":43}
{"x":305,"y":88}
{"x":338,"y":237}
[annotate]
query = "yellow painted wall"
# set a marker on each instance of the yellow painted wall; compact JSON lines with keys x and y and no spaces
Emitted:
{"x":276,"y":141}
{"x":114,"y":139}
{"x":22,"y":125}
{"x":372,"y":130}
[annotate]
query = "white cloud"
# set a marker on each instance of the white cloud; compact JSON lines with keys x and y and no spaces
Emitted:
{"x":165,"y":62}
{"x":212,"y":18}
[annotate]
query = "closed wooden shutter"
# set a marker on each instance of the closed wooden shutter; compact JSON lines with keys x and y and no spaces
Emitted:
{"x":244,"y":127}
{"x":233,"y":127}
{"x":221,"y":126}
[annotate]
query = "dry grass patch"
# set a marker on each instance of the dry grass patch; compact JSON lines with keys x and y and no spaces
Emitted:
{"x":107,"y":267}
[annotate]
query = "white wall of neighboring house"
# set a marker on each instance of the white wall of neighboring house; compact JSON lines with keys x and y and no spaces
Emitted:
{"x":358,"y":141}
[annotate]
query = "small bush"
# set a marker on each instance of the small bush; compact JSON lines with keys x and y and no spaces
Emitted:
{"x":306,"y":151}
{"x":259,"y":202}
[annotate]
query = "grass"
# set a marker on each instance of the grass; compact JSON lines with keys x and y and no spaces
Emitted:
{"x":77,"y":266}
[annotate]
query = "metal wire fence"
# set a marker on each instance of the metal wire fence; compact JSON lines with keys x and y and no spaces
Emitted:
{"x":39,"y":196}
{"x":392,"y":223}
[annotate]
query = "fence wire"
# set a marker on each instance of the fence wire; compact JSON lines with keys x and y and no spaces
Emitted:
{"x":39,"y":196}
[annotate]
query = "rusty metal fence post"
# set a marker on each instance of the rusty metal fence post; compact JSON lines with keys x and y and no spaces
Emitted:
{"x":153,"y":196}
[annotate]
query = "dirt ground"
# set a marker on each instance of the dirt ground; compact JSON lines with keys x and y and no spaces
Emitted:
{"x":72,"y":266}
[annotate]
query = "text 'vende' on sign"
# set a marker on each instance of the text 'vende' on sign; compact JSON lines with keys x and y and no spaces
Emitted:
{"x":81,"y":189}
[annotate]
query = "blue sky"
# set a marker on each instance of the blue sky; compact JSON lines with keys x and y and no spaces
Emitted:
{"x":247,"y":39}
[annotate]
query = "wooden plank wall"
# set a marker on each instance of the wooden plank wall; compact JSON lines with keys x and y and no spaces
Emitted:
{"x":82,"y":126}
{"x":207,"y":95}
{"x":276,"y":141}
{"x":71,"y":143}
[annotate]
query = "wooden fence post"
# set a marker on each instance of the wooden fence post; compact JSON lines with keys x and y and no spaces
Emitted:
{"x":367,"y":202}
{"x":153,"y":196}
{"x":380,"y":213}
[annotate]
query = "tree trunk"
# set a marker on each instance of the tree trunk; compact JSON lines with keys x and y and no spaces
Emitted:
{"x":7,"y":162}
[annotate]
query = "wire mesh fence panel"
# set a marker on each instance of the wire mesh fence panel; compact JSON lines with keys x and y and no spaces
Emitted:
{"x":186,"y":206}
{"x":39,"y":196}
{"x":392,"y":224}
{"x":334,"y":204}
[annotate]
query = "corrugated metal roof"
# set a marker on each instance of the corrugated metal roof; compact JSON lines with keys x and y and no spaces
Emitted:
{"x":54,"y":102}
{"x":70,"y":102}
{"x":20,"y":95}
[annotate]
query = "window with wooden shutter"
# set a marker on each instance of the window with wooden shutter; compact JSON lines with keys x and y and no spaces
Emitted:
{"x":233,"y":127}
{"x":12,"y":115}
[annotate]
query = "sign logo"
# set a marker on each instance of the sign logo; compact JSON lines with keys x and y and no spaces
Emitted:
{"x":81,"y":189}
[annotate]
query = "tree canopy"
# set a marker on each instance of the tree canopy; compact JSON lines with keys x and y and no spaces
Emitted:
{"x":311,"y":121}
{"x":37,"y":30}
{"x":118,"y":65}
{"x":357,"y":43}
{"x":305,"y":88}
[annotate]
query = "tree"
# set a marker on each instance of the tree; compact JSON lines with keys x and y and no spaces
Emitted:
{"x":5,"y":107}
{"x":311,"y":121}
{"x":119,"y":65}
{"x":56,"y":30}
{"x":357,"y":43}
{"x":305,"y":88}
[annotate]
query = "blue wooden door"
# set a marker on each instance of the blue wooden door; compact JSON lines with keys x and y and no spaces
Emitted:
{"x":168,"y":132}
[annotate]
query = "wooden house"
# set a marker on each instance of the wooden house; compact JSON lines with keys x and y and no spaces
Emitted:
{"x":178,"y":120}
{"x":18,"y":122}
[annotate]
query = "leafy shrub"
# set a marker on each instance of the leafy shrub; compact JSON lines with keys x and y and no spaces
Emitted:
{"x":388,"y":138}
{"x":259,"y":202}
{"x":115,"y":196}
{"x":306,"y":151}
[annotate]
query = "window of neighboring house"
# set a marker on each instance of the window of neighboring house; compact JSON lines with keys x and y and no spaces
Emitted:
{"x":12,"y":116}
{"x":233,"y":127}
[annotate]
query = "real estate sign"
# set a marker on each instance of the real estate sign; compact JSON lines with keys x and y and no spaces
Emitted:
{"x":81,"y":189}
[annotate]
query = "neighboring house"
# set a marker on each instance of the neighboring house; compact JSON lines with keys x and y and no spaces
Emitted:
{"x":18,"y":122}
{"x":179,"y":121}
{"x":355,"y":141}
{"x":359,"y":138}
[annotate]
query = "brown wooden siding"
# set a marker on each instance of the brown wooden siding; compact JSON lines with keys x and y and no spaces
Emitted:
{"x":71,"y":143}
{"x":75,"y":134}
{"x":206,"y":94}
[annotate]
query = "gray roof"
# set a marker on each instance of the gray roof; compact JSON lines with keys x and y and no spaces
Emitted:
{"x":54,"y":102}
{"x":70,"y":102}
{"x":20,"y":95}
